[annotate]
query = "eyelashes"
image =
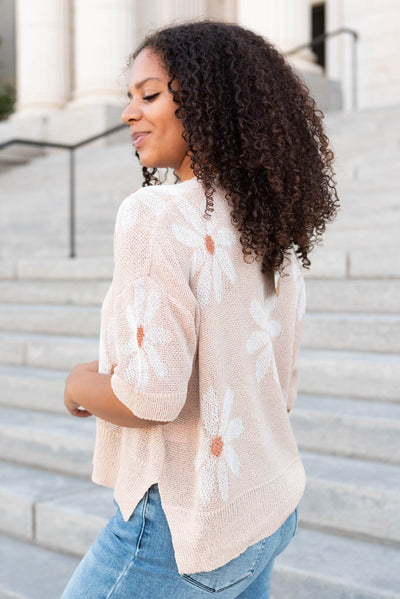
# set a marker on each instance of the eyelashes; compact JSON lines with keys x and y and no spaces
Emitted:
{"x":149,"y":98}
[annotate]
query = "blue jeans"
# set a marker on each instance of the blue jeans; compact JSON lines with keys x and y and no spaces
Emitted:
{"x":135,"y":560}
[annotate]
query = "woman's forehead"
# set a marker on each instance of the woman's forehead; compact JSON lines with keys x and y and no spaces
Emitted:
{"x":147,"y":65}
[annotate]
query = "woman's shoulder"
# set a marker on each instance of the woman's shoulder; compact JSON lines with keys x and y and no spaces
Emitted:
{"x":155,"y":197}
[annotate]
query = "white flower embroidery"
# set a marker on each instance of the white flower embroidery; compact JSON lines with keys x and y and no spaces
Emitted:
{"x":215,"y":453}
{"x":210,"y":257}
{"x":107,"y":354}
{"x":263,"y":339}
{"x":128,"y":213}
{"x":300,"y":287}
{"x":142,"y":346}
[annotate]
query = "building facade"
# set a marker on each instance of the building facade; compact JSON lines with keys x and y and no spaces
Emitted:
{"x":70,"y":55}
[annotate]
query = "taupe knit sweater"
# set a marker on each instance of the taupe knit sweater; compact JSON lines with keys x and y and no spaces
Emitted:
{"x":206,"y":343}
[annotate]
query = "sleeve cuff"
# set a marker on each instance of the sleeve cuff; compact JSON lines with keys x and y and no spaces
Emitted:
{"x":162,"y":407}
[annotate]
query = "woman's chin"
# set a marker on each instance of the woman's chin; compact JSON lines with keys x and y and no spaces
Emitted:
{"x":151,"y":163}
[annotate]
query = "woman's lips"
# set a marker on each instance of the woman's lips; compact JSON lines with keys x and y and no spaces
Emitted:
{"x":138,"y":138}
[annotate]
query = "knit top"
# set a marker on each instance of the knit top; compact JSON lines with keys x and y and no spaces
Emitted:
{"x":206,"y":344}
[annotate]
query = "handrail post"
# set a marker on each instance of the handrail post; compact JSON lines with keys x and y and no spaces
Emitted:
{"x":71,"y":149}
{"x":72,"y":253}
{"x":355,"y":74}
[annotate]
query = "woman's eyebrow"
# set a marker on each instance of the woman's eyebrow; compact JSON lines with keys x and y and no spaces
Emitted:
{"x":139,"y":85}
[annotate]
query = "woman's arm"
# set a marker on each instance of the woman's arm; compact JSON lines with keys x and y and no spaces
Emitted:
{"x":86,"y":388}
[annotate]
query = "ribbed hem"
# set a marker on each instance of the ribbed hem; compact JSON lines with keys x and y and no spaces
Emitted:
{"x":251,"y":517}
{"x":163,"y":407}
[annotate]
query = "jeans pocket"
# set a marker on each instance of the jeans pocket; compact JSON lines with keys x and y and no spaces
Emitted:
{"x":229,"y":574}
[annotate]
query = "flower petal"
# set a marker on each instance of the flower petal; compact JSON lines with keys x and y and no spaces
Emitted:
{"x":223,"y":479}
{"x":224,"y":236}
{"x":143,"y":373}
{"x":233,"y":430}
{"x":207,"y":480}
{"x":226,"y":410}
{"x":155,"y":202}
{"x":129,"y":347}
{"x":222,"y":256}
{"x":204,"y":284}
{"x":210,"y":412}
{"x":217,"y":279}
{"x":258,"y":313}
{"x":157,"y":335}
{"x":262,"y":363}
{"x":158,"y":367}
{"x":152,"y":305}
{"x":131,"y":371}
{"x":203,"y":450}
{"x":191,"y":215}
{"x":275,"y":327}
{"x":139,"y":297}
{"x":130,"y":317}
{"x":232,"y":459}
{"x":187,"y":236}
{"x":269,"y":305}
{"x":197,"y":260}
{"x":256,"y":340}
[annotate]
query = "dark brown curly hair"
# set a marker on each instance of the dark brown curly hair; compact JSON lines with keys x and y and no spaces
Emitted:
{"x":251,"y":127}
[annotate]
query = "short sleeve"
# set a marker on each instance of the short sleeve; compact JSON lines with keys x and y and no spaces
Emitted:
{"x":155,"y":343}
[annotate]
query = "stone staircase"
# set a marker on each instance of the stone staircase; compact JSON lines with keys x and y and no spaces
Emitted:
{"x":346,"y":419}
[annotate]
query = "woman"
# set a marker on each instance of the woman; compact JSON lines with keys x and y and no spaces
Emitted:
{"x":199,"y":342}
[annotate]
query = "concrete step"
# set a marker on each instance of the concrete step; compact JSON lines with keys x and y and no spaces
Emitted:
{"x":353,"y":497}
{"x":56,"y":269}
{"x":23,"y":488}
{"x":366,"y":263}
{"x":52,"y":510}
{"x":360,"y":375}
{"x":33,"y":389}
{"x":352,"y":332}
{"x":50,"y":319}
{"x":353,"y":295}
{"x":316,"y":565}
{"x":323,"y":295}
{"x":59,"y":443}
{"x":29,"y":572}
{"x":60,"y":352}
{"x":327,"y":262}
{"x":53,"y":292}
{"x":50,"y":325}
{"x":348,"y":427}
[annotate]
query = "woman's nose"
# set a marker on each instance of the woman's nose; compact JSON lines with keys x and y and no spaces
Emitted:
{"x":131,"y":113}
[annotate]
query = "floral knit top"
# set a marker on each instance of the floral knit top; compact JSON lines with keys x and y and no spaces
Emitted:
{"x":203,"y":342}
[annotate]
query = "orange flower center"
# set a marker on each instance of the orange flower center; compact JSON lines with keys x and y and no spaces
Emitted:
{"x":216,"y":446}
{"x":140,"y":335}
{"x":210,"y":244}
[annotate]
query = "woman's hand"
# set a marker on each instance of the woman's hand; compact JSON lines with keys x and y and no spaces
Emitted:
{"x":71,"y":393}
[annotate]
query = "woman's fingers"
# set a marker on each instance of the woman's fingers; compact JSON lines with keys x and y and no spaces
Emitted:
{"x":80,"y":413}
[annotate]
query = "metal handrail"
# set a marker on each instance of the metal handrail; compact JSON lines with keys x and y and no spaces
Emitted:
{"x":71,"y":148}
{"x":319,"y":39}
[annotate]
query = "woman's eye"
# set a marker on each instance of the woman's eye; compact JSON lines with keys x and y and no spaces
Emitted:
{"x":150,"y":97}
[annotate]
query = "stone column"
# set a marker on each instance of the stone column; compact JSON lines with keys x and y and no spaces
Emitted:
{"x":285,"y":23}
{"x":103,"y":39}
{"x":42,"y":55}
{"x":180,"y":10}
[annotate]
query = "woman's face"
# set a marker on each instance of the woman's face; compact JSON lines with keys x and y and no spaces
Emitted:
{"x":156,"y":131}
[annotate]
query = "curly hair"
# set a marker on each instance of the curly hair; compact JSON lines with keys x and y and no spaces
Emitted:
{"x":252,"y":128}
